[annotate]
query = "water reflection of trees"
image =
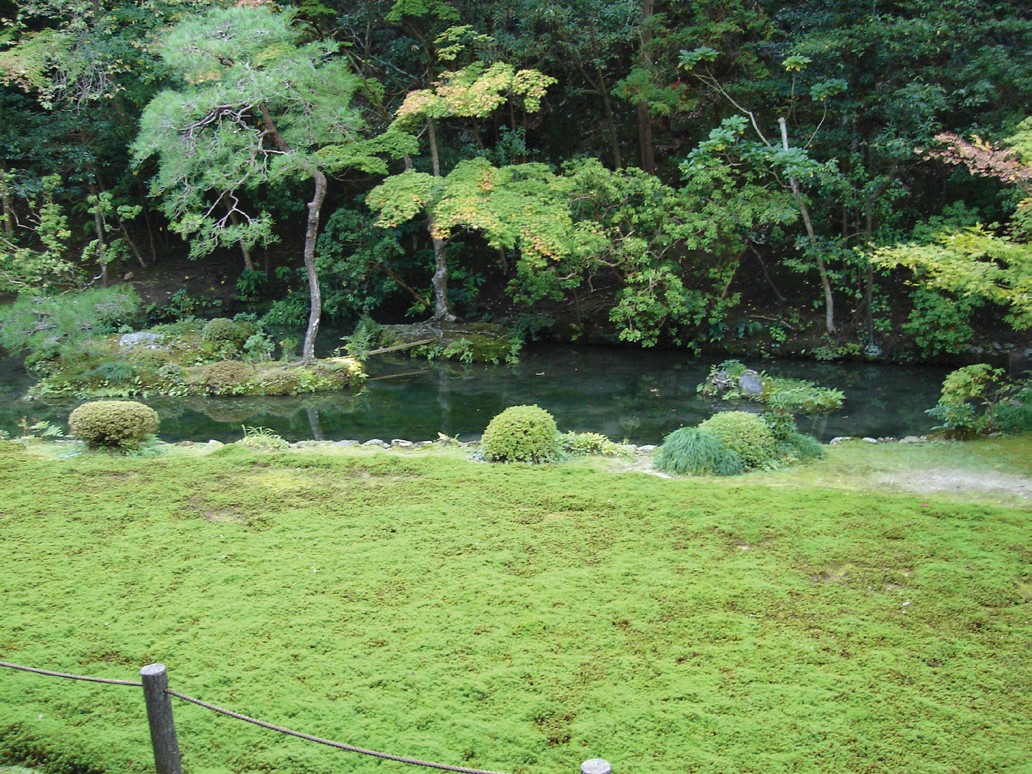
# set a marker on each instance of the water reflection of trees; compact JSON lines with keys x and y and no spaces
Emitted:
{"x":622,"y":393}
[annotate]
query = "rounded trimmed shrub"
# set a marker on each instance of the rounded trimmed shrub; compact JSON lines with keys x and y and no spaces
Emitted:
{"x":279,"y":382}
{"x":227,"y":375}
{"x":521,"y":434}
{"x":745,"y":434}
{"x":220,"y":329}
{"x":691,"y":451}
{"x":117,"y":424}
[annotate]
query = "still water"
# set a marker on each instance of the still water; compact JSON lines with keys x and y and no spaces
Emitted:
{"x":627,"y":394}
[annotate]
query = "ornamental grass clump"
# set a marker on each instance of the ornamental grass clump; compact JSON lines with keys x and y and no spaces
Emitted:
{"x":113,"y":424}
{"x":745,"y":434}
{"x":521,"y":434}
{"x":691,"y":451}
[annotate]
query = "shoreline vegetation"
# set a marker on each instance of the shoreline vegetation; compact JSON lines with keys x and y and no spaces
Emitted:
{"x":837,"y":615}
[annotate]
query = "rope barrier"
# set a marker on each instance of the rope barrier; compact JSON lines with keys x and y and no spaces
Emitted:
{"x":254,"y":721}
{"x":338,"y":745}
{"x":70,"y":676}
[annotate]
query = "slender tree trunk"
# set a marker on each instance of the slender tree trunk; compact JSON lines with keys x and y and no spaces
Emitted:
{"x":311,"y":234}
{"x":314,"y":294}
{"x":234,"y":219}
{"x":766,"y":275}
{"x":648,"y":154}
{"x":129,"y":241}
{"x":6,"y":202}
{"x":435,"y":157}
{"x":869,"y":273}
{"x":607,"y":107}
{"x":822,"y":269}
{"x":147,"y":222}
{"x":869,"y":238}
{"x":442,"y":310}
{"x":614,"y":137}
{"x":98,"y":226}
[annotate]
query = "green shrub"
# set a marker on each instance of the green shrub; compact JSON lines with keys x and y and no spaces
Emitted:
{"x":262,"y":439}
{"x":221,"y":329}
{"x":799,"y":446}
{"x":227,"y":377}
{"x":1014,"y":414}
{"x":113,"y":372}
{"x":940,"y":323}
{"x":590,"y":444}
{"x":280,"y":382}
{"x":521,"y":434}
{"x":745,"y":434}
{"x":259,"y":348}
{"x":119,"y":424}
{"x":691,"y":451}
{"x":967,"y":401}
{"x":781,"y":424}
{"x":795,"y":396}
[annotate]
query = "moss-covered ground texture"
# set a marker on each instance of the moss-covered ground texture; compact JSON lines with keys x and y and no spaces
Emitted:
{"x":511,"y":617}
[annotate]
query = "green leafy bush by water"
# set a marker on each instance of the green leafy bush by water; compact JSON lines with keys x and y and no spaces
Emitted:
{"x":743,"y":433}
{"x":796,"y":396}
{"x":692,"y":451}
{"x":262,"y":439}
{"x":799,"y":446}
{"x":521,"y":434}
{"x":120,"y":424}
{"x":590,"y":444}
{"x":228,"y":377}
{"x":1015,"y":414}
{"x":977,"y":400}
{"x":222,"y":329}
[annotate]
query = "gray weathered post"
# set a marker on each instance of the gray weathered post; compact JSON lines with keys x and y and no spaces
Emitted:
{"x":159,"y":716}
{"x":596,"y":766}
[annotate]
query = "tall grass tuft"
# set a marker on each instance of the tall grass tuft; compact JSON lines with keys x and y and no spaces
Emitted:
{"x":691,"y":451}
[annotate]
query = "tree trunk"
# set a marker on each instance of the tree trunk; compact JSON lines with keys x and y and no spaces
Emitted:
{"x":607,"y":109}
{"x":147,"y":221}
{"x":442,"y":310}
{"x":129,"y":241}
{"x":314,"y":294}
{"x":614,"y":137}
{"x":648,"y":154}
{"x":235,"y":220}
{"x":311,"y":234}
{"x":822,"y":269}
{"x":98,"y":225}
{"x":6,"y":201}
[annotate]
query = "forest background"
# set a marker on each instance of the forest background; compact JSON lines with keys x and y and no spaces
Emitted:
{"x":661,"y":173}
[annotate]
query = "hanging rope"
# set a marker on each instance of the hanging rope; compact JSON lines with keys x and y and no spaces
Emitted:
{"x":318,"y":740}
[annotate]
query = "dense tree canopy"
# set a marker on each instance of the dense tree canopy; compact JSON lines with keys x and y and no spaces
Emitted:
{"x":668,"y":166}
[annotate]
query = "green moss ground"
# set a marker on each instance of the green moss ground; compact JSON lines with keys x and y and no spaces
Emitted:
{"x":515,"y":618}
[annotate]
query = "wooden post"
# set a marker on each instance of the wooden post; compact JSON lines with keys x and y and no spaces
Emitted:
{"x":167,"y":759}
{"x":596,"y":766}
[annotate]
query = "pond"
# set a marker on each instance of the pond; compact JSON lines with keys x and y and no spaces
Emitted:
{"x":632,"y":395}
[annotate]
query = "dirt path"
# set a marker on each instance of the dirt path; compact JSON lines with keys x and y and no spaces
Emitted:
{"x":957,"y":480}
